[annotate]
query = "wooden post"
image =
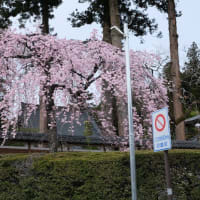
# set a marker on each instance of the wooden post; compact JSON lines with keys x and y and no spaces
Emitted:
{"x":29,"y":147}
{"x":167,"y":174}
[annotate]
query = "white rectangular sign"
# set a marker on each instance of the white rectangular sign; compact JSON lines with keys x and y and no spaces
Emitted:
{"x":161,"y":130}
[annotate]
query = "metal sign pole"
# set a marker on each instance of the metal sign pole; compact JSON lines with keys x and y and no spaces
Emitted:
{"x":167,"y":174}
{"x":130,"y":116}
{"x":162,"y":141}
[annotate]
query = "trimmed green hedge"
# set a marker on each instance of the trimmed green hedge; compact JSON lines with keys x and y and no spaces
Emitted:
{"x":97,"y":176}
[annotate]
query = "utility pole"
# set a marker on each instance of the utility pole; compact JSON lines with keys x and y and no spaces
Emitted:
{"x":130,"y":113}
{"x":130,"y":116}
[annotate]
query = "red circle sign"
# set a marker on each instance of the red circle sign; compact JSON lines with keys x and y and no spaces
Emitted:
{"x":160,"y":122}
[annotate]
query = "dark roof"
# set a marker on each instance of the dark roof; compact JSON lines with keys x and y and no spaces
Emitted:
{"x":63,"y":128}
{"x":185,"y":144}
{"x":192,"y":119}
{"x":43,"y":137}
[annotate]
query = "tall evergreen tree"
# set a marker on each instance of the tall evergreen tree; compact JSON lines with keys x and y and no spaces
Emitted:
{"x":169,"y":7}
{"x":43,"y":10}
{"x":166,"y":74}
{"x":99,"y":11}
{"x":110,"y":13}
{"x":25,"y":9}
{"x":175,"y":71}
{"x":119,"y":108}
{"x":5,"y":13}
{"x":191,"y":78}
{"x":37,"y":9}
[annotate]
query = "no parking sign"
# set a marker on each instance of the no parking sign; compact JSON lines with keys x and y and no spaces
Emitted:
{"x":161,"y":130}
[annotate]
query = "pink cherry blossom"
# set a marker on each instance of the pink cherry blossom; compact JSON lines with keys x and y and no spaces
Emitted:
{"x":34,"y":63}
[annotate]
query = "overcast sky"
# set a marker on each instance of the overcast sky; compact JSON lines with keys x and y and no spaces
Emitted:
{"x":188,"y":27}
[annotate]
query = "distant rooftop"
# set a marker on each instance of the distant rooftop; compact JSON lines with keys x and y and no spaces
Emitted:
{"x":192,"y":119}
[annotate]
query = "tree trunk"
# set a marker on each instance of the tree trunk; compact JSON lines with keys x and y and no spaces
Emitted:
{"x":43,"y":115}
{"x":106,"y":24}
{"x":110,"y":99}
{"x":106,"y":32}
{"x":47,"y":113}
{"x":43,"y":112}
{"x":116,"y":37}
{"x":51,"y":119}
{"x":110,"y":103}
{"x":45,"y":17}
{"x":175,"y":70}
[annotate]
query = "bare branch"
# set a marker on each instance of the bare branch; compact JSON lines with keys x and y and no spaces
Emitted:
{"x":79,"y":74}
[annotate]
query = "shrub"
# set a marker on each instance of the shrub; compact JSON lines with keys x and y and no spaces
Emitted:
{"x":97,"y":176}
